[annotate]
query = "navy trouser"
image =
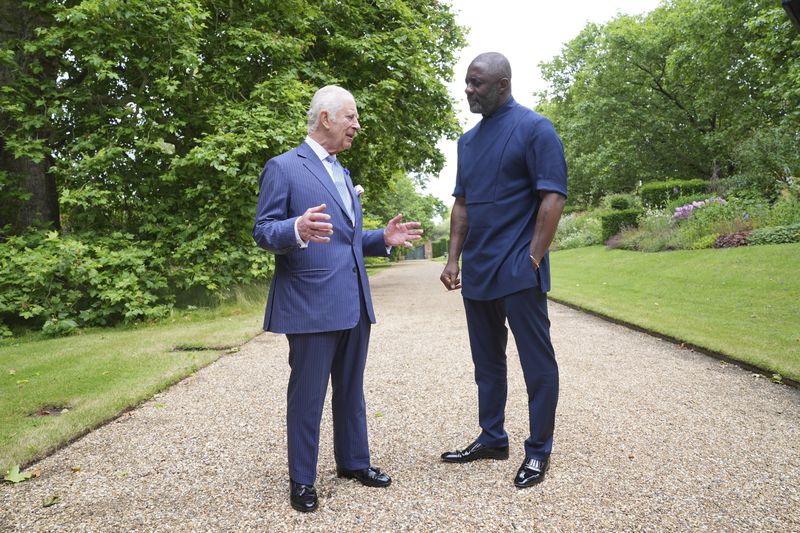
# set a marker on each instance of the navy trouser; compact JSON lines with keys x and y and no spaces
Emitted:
{"x":526,"y":312}
{"x":313,"y":358}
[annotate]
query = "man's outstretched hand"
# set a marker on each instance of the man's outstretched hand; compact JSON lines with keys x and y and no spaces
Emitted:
{"x":401,"y":234}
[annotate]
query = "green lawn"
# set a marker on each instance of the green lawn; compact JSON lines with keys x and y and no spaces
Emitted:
{"x":741,"y":302}
{"x":98,"y":374}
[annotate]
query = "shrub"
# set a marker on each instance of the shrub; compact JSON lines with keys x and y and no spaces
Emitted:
{"x":766,"y":162}
{"x":786,"y":211}
{"x":715,"y":223}
{"x":620,"y":202}
{"x":704,"y":226}
{"x":577,"y":230}
{"x":686,"y":210}
{"x":614,"y":221}
{"x":573,"y":208}
{"x":654,"y":234}
{"x":703,"y":242}
{"x":440,"y":247}
{"x":658,"y":193}
{"x":61,"y":283}
{"x":776,"y":235}
{"x":732,"y":240}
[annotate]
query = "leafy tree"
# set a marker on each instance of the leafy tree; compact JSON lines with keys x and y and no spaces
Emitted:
{"x":767,"y":162}
{"x":400,"y":196}
{"x":155,"y":117}
{"x":670,"y":94}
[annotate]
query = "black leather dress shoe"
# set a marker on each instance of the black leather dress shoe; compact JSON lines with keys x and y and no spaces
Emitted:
{"x":303,"y":497}
{"x":531,"y":472}
{"x":371,"y":477}
{"x":474,"y":451}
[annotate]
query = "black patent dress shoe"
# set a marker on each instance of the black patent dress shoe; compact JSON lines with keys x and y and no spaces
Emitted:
{"x":531,"y":472}
{"x":474,"y":451}
{"x":303,"y":497}
{"x":370,"y":477}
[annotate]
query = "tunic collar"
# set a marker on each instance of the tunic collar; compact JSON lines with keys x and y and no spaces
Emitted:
{"x":502,"y":110}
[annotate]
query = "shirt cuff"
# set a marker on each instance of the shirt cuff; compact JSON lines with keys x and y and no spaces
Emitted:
{"x":300,"y":242}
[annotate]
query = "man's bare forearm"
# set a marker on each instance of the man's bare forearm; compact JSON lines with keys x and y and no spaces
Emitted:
{"x":550,"y":209}
{"x":458,"y":229}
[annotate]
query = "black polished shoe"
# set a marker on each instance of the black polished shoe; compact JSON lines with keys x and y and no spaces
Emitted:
{"x":303,"y":497}
{"x":474,"y":451}
{"x":531,"y":472}
{"x":370,"y":477}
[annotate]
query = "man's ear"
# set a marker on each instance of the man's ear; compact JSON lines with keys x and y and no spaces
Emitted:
{"x":504,"y":85}
{"x":324,"y":119}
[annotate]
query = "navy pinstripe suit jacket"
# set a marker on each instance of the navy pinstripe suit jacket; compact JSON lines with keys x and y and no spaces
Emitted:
{"x":318,"y":288}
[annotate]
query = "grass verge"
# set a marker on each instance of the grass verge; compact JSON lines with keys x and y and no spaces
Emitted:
{"x":92,"y":377}
{"x":740,"y":302}
{"x":100,"y":373}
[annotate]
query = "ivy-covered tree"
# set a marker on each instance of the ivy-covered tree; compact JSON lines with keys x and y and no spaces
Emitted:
{"x":28,"y":193}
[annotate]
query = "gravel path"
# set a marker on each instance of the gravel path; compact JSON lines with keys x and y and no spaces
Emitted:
{"x":648,"y":437}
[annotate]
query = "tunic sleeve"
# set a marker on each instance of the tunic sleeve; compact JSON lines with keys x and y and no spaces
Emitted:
{"x":545,"y":158}
{"x":458,"y":192}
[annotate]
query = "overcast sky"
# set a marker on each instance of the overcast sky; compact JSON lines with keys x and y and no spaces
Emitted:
{"x":527,"y":32}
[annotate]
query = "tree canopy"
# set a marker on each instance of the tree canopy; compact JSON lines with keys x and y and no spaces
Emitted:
{"x":153,"y":118}
{"x":673,"y":94}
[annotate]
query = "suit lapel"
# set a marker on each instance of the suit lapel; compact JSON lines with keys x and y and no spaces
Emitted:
{"x":315,"y":166}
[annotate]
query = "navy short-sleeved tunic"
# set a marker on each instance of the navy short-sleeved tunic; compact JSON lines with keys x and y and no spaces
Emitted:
{"x":503,"y":163}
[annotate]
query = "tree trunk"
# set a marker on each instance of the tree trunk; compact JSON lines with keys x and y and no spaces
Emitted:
{"x":714,"y":183}
{"x":41,"y":205}
{"x":40,"y":202}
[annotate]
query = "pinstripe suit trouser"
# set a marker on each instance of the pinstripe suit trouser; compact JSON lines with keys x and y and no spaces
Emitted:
{"x":313,"y":358}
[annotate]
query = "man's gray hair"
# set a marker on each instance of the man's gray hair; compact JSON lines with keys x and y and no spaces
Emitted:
{"x":330,"y":98}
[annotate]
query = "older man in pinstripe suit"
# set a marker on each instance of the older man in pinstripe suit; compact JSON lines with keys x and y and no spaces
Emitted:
{"x":309,"y":216}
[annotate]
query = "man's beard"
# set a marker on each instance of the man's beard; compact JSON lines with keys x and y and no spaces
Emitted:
{"x":484,"y":104}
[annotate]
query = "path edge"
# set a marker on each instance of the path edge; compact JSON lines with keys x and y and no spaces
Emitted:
{"x":682,"y":344}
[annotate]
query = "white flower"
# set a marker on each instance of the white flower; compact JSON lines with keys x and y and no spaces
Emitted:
{"x":359,"y":190}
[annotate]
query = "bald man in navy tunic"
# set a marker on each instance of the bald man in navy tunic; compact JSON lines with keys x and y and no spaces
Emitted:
{"x":511,"y":186}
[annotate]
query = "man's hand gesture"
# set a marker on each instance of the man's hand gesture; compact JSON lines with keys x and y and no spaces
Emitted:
{"x":397,"y":234}
{"x":312,"y":225}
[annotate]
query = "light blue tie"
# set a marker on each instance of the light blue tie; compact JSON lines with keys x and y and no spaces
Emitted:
{"x":341,"y":185}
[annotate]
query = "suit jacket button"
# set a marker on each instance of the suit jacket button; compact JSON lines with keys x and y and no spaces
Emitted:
{"x":355,"y":269}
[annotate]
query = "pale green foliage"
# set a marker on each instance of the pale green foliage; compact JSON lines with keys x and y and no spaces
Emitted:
{"x":578,"y":229}
{"x":15,"y":476}
{"x":61,"y":283}
{"x":767,"y":162}
{"x":786,"y":210}
{"x":400,"y":197}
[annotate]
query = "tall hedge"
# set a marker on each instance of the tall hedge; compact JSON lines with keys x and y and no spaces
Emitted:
{"x":613,"y":222}
{"x":657,"y":194}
